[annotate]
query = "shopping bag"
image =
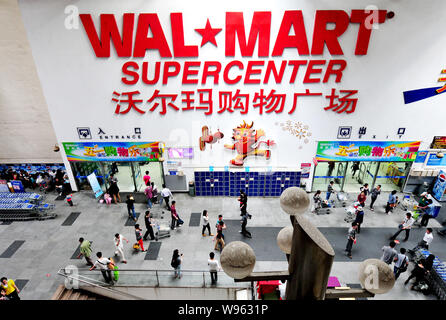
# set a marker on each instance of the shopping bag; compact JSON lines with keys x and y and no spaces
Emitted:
{"x":116,"y":273}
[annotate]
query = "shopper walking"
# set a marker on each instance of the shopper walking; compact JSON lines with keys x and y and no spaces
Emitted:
{"x":214,"y":267}
{"x":175,"y":222}
{"x":428,"y":212}
{"x":355,"y":167}
{"x":391,"y":203}
{"x":104,"y":265}
{"x":330,"y":190}
{"x":114,"y":189}
{"x":362,"y":198}
{"x":138,"y":235}
{"x":11,"y":290}
{"x":177,"y":259}
{"x":351,"y":239}
{"x":406,"y":225}
{"x":206,"y":224}
{"x":166,"y":194}
{"x":219,"y":237}
{"x":359,"y":218}
{"x":119,"y":238}
{"x":85,"y":250}
{"x":219,"y":225}
{"x":244,"y":222}
{"x":149,"y":195}
{"x":365,"y":188}
{"x":146,"y":179}
{"x":131,"y":207}
{"x":419,"y":272}
{"x":243,"y":200}
{"x":389,"y":253}
{"x":149,"y":225}
{"x":374,"y":195}
{"x":155,"y":193}
{"x":427,"y":240}
{"x":401,"y":263}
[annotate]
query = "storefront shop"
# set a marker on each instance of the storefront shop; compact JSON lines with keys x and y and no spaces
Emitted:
{"x":351,"y":164}
{"x":126,"y":160}
{"x":240,"y":94}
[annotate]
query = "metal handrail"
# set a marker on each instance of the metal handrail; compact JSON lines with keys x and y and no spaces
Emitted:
{"x":96,"y":285}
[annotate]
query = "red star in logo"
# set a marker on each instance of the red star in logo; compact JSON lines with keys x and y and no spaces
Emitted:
{"x":208,"y":34}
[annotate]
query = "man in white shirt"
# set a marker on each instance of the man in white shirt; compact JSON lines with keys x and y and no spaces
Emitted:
{"x":406,"y":225}
{"x":213,"y":267}
{"x":165,"y":194}
{"x":427,"y":240}
{"x":401,"y":263}
{"x":119,"y":238}
{"x":102,"y":264}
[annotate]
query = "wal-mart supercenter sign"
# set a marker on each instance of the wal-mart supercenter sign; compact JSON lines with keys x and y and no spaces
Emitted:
{"x":142,"y":35}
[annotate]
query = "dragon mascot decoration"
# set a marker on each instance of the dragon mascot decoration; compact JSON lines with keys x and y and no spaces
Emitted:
{"x":246,"y":143}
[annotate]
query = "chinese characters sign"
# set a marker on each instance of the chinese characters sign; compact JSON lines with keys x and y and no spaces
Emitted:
{"x":211,"y":101}
{"x":367,"y":151}
{"x":113,"y":151}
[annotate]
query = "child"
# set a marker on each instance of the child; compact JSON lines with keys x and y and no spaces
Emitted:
{"x":70,"y":202}
{"x":107,"y":198}
{"x":138,"y":234}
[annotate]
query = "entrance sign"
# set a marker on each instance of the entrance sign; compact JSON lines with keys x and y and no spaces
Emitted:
{"x":113,"y":151}
{"x":95,"y":185}
{"x":367,"y":151}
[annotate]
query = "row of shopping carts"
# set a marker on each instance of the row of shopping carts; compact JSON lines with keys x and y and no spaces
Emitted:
{"x":437,"y":275}
{"x":24,"y":206}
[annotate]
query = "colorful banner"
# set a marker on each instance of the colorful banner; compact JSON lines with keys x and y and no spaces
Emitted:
{"x":113,"y":151}
{"x":440,"y":185}
{"x":367,"y":151}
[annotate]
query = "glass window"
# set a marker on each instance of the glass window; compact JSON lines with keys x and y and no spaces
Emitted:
{"x":326,"y":172}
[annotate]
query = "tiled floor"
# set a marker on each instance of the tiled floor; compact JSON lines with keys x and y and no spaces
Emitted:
{"x":49,"y":246}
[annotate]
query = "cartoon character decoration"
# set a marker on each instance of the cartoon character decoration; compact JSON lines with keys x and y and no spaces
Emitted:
{"x":208,"y":137}
{"x":246,"y":143}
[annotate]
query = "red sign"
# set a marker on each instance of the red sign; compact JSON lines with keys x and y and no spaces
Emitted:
{"x":132,"y":41}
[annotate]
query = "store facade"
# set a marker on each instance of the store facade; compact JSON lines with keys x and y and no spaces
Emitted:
{"x":246,"y":90}
{"x":351,"y":164}
{"x":127,"y":161}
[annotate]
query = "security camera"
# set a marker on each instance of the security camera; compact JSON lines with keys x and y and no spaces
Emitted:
{"x":56,"y":148}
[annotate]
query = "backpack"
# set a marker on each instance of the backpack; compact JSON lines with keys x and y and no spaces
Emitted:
{"x":403,"y":267}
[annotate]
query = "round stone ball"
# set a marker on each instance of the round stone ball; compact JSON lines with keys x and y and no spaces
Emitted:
{"x":294,"y":201}
{"x":237,"y":260}
{"x":376,"y":276}
{"x":285,"y":239}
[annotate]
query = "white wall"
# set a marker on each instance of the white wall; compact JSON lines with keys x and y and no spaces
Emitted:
{"x":405,"y":53}
{"x":26,"y":132}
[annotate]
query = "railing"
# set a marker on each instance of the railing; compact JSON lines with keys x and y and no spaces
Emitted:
{"x":90,"y":282}
{"x":152,"y":278}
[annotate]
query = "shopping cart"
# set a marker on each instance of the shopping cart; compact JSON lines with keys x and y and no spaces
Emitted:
{"x":161,"y":231}
{"x":350,"y":212}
